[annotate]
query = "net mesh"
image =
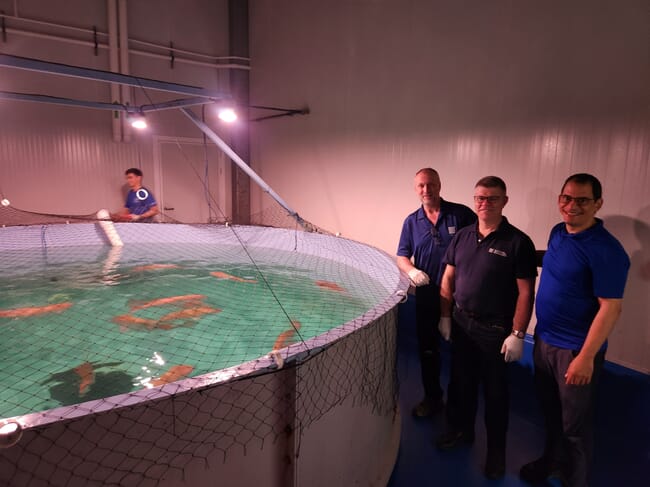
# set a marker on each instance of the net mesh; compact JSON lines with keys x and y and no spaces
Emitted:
{"x":189,"y":349}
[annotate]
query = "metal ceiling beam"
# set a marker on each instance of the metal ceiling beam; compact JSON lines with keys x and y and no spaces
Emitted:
{"x":242,"y":165}
{"x":185,"y":102}
{"x":8,"y":95}
{"x":29,"y":64}
{"x":57,"y":100}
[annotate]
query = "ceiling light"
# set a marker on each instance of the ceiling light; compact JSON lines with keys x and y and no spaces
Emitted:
{"x":227,"y":114}
{"x":137,"y":120}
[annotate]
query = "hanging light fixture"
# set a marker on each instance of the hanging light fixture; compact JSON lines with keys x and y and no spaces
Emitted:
{"x":227,"y":112}
{"x":137,"y":120}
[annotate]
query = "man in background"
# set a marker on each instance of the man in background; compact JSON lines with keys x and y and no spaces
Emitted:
{"x":426,"y":234}
{"x":578,"y":302}
{"x":140,"y":204}
{"x":490,"y":281}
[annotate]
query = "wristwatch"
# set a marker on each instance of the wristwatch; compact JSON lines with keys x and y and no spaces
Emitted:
{"x":519,"y":333}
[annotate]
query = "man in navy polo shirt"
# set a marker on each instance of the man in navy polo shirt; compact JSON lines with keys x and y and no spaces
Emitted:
{"x":490,"y":276}
{"x":426,"y":234}
{"x":578,"y":302}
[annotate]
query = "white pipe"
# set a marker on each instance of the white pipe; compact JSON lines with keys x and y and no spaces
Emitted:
{"x":105,"y":34}
{"x":190,"y":61}
{"x":136,"y":52}
{"x":109,"y":228}
{"x":114,"y":66}
{"x":124,"y":64}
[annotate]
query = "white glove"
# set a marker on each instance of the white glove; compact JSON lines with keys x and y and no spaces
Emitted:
{"x":513,"y":348}
{"x":444,"y":327}
{"x":418,"y":277}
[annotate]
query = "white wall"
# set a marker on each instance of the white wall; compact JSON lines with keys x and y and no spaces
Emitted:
{"x":529,"y":91}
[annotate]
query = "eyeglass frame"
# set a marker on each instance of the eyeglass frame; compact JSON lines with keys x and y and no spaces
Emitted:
{"x":581,"y":201}
{"x":487,"y":199}
{"x":437,"y":238}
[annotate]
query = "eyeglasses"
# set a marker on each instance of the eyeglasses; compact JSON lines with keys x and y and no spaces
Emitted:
{"x":565,"y":199}
{"x":437,"y":238}
{"x":489,"y":199}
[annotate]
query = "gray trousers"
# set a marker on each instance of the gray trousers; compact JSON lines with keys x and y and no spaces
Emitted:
{"x":568,"y":411}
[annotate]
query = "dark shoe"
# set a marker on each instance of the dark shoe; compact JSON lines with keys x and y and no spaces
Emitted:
{"x":453,"y":439}
{"x":428,"y":407}
{"x":537,"y":471}
{"x":495,"y":464}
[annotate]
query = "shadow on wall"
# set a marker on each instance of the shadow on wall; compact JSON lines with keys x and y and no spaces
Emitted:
{"x":630,"y":340}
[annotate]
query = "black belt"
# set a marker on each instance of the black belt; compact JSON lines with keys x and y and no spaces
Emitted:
{"x":480,"y":317}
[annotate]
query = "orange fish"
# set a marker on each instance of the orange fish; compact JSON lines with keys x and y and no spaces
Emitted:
{"x":223,"y":275}
{"x":183,"y":314}
{"x":332,"y":286}
{"x":154,"y":267}
{"x":286,"y":336}
{"x":129,"y":321}
{"x":175,"y":373}
{"x":86,"y":373}
{"x":34,"y":310}
{"x":175,"y":300}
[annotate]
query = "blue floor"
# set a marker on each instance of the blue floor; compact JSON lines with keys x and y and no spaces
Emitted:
{"x":622,"y":454}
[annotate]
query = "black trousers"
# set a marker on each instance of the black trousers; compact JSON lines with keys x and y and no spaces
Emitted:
{"x":427,"y":316}
{"x":476,"y":359}
{"x":568,"y":411}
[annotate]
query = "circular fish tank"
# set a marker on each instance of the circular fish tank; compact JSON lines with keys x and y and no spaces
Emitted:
{"x":257,"y":356}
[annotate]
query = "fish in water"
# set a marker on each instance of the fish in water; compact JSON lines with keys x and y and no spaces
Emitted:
{"x":129,"y":321}
{"x":86,"y":374}
{"x":172,"y":300}
{"x":188,"y":313}
{"x":286,"y":336}
{"x":230,"y":277}
{"x":34,"y":310}
{"x":175,"y":373}
{"x":154,"y":267}
{"x":332,"y":286}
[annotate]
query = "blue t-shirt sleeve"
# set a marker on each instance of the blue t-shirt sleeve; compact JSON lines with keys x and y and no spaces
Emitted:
{"x":150,"y":201}
{"x":405,"y":247}
{"x":609,"y":269}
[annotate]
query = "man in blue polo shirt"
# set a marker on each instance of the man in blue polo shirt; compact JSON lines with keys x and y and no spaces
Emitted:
{"x":426,"y":234}
{"x":578,"y":302}
{"x":490,"y":280}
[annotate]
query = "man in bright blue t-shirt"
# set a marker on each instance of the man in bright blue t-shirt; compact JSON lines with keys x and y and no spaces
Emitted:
{"x":578,"y":302}
{"x":140,"y":204}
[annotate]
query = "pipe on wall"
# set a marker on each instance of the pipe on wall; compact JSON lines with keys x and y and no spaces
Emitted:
{"x":124,"y":63}
{"x":114,"y":66}
{"x":138,"y":52}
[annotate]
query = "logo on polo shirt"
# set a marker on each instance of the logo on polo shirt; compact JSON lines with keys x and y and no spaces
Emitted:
{"x":498,"y":252}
